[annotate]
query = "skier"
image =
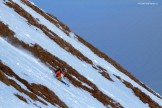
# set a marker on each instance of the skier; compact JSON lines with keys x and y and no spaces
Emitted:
{"x":59,"y":74}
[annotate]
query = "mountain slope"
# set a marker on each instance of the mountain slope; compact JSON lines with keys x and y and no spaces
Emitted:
{"x":34,"y":43}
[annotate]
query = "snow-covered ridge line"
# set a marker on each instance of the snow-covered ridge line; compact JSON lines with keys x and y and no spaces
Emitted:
{"x":84,"y":50}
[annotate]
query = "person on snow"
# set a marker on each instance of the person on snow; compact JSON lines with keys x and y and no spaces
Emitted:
{"x":59,"y":74}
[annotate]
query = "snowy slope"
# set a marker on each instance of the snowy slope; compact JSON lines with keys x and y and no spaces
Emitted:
{"x":36,"y":46}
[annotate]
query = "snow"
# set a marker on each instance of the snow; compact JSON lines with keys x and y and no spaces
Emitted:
{"x":35,"y":72}
{"x":9,"y":100}
{"x":82,"y":82}
{"x":31,"y":69}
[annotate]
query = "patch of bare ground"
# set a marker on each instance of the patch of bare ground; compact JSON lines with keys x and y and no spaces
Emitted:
{"x":21,"y":98}
{"x":143,"y":97}
{"x":55,"y":62}
{"x":115,"y":64}
{"x":48,"y":16}
{"x":68,"y":47}
{"x":103,"y":72}
{"x":5,"y":31}
{"x":35,"y":89}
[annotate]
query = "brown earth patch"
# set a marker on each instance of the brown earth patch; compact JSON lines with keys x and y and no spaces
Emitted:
{"x":21,"y":98}
{"x":5,"y":31}
{"x":104,"y":73}
{"x":143,"y":97}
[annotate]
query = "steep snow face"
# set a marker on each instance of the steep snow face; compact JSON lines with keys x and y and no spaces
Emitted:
{"x":33,"y":70}
{"x":29,"y":68}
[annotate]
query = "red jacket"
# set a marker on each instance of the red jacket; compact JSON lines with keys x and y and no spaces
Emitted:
{"x":59,"y":72}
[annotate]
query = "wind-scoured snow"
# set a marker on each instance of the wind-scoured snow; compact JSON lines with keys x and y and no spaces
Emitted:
{"x":31,"y":69}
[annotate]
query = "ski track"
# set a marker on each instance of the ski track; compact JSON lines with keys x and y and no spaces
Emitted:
{"x":31,"y":69}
